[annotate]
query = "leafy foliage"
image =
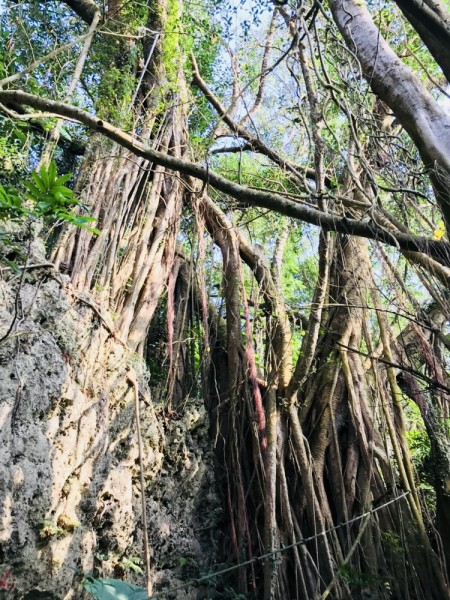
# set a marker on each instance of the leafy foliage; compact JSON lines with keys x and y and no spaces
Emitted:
{"x":45,"y":197}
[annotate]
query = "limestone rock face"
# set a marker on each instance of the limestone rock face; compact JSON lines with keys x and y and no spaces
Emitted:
{"x":69,"y":463}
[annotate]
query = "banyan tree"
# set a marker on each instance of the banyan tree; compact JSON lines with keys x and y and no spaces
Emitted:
{"x":270,"y":188}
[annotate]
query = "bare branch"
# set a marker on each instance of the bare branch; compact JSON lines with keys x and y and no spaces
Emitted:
{"x":263,"y":70}
{"x":256,"y":144}
{"x":427,"y":123}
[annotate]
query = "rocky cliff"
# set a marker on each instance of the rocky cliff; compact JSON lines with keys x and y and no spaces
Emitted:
{"x":69,"y":461}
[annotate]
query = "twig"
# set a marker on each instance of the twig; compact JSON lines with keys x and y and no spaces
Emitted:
{"x":29,"y":267}
{"x":389,"y":363}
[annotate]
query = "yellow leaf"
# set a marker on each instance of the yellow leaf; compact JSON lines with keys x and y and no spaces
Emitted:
{"x":439,"y":232}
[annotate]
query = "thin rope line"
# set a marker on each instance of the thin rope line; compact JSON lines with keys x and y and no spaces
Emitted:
{"x":274,"y":552}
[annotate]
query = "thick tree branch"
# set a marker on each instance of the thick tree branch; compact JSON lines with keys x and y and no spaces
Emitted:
{"x":75,"y":146}
{"x":423,"y":118}
{"x":232,"y":149}
{"x":432,"y":23}
{"x":86,"y":9}
{"x":439,"y":250}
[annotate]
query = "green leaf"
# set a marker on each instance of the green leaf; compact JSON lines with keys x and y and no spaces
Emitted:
{"x":38,"y":181}
{"x":43,"y":174}
{"x":10,"y":205}
{"x":12,"y":265}
{"x":35,"y":193}
{"x":4,"y":196}
{"x":65,"y":134}
{"x":51,"y":172}
{"x":113,"y":589}
{"x":63,"y":178}
{"x":64,"y":191}
{"x":43,"y":207}
{"x":132,"y":564}
{"x":92,"y":230}
{"x":81,"y":220}
{"x":20,"y":135}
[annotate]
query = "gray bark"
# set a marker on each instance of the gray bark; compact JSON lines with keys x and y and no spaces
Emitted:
{"x":432,"y":22}
{"x":86,"y":9}
{"x":423,"y":118}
